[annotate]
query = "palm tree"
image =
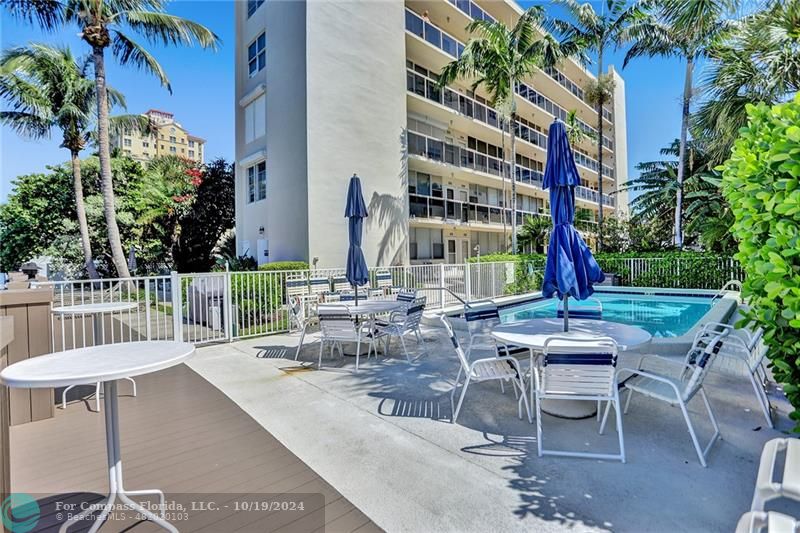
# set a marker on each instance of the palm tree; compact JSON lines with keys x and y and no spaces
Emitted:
{"x":498,"y":58}
{"x":597,"y":32}
{"x":103,"y":24}
{"x":575,"y":132}
{"x":534,"y":232}
{"x":757,"y":60}
{"x":684,"y":28}
{"x":46,"y":88}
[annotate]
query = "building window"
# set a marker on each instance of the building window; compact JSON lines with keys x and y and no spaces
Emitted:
{"x":257,"y":54}
{"x":127,"y":142}
{"x":172,"y":149}
{"x":252,"y":6}
{"x":191,"y":144}
{"x":172,"y":138}
{"x":145,"y":144}
{"x":191,"y":153}
{"x":425,"y":243}
{"x":255,"y":119}
{"x":257,"y":182}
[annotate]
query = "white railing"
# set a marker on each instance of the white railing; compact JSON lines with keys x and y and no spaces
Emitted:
{"x":223,"y":306}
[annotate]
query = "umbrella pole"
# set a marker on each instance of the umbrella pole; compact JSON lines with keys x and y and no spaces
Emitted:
{"x":356,"y":295}
{"x":566,"y":312}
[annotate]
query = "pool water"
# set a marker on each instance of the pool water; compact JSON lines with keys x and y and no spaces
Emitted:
{"x":661,"y":316}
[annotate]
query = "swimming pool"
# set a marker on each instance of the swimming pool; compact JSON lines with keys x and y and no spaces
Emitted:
{"x":661,"y":315}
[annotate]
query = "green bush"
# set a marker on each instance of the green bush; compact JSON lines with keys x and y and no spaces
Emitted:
{"x":284,"y":265}
{"x":761,"y":181}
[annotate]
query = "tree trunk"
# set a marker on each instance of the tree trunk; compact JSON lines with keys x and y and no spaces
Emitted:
{"x":503,"y":173}
{"x":600,"y":101}
{"x":106,"y":179}
{"x":80,"y":208}
{"x":513,"y":177}
{"x":687,"y":97}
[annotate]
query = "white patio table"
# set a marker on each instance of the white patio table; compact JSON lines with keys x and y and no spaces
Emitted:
{"x":105,"y":364}
{"x":367,"y":308}
{"x":96,"y":310}
{"x":532,"y":334}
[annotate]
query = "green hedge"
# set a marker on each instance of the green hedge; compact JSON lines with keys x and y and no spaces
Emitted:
{"x":670,"y":269}
{"x":284,"y":265}
{"x":761,"y":182}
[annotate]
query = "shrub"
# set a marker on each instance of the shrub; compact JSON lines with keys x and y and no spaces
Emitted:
{"x":284,"y":265}
{"x":761,"y":181}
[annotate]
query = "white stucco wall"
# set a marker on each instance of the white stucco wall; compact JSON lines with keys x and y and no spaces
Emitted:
{"x":620,"y":142}
{"x":356,"y":109}
{"x":287,"y":156}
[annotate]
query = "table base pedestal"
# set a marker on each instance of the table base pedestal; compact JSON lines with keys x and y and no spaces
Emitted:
{"x":115,"y":485}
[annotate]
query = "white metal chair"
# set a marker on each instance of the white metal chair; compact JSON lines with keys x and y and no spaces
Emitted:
{"x":591,"y":309}
{"x":406,"y":295}
{"x":400,"y":324}
{"x":744,"y":352}
{"x":487,"y":369}
{"x":300,"y":319}
{"x":768,"y":488}
{"x":297,"y":285}
{"x":770,"y":522}
{"x":676,"y":383}
{"x":338,"y":326}
{"x":340,"y":284}
{"x":319,"y":285}
{"x":579,"y":369}
{"x":383,"y":281}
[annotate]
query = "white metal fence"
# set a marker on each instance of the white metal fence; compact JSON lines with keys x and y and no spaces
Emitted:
{"x":221,"y":306}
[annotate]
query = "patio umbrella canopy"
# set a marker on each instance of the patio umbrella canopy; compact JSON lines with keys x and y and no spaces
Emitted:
{"x":570,"y":269}
{"x":357,"y":273}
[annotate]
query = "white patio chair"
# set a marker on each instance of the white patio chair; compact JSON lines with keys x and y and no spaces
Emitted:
{"x":338,"y":326}
{"x":744,"y":353}
{"x":400,"y":324}
{"x":340,"y":284}
{"x":768,"y":488}
{"x":579,"y":369}
{"x":383,"y":281}
{"x":301,"y":319}
{"x":771,"y":522}
{"x":591,"y":309}
{"x":406,"y":295}
{"x":676,"y":383}
{"x":297,"y":285}
{"x":320,"y":285}
{"x":487,"y":369}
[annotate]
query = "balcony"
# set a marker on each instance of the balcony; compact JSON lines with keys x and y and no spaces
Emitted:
{"x":450,"y":154}
{"x":427,"y":87}
{"x":454,"y":48}
{"x":457,"y":212}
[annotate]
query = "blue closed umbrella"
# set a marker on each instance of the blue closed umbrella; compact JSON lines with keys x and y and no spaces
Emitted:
{"x":357,"y":273}
{"x":570,"y":270}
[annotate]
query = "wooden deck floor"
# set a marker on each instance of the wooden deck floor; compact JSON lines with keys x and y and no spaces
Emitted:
{"x":183,"y":436}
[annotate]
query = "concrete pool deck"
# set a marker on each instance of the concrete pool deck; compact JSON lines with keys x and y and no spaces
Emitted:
{"x":382,"y":437}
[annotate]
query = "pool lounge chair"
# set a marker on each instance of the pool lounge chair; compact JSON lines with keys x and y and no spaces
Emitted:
{"x":402,"y":323}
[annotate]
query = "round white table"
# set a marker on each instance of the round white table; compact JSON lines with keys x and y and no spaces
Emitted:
{"x":368,"y":308}
{"x":96,"y":310}
{"x":532,"y":334}
{"x":104,"y":364}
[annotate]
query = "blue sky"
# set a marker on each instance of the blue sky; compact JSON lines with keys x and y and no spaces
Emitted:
{"x":203,"y":93}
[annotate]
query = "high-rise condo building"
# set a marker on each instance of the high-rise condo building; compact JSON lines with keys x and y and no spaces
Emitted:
{"x":329,"y":88}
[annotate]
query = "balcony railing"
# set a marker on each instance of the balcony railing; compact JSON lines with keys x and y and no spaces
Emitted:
{"x":465,"y":105}
{"x":443,"y":152}
{"x":430,"y":207}
{"x":454,"y":48}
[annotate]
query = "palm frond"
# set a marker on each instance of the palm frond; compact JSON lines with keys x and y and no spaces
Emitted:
{"x":129,"y":52}
{"x":166,"y":29}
